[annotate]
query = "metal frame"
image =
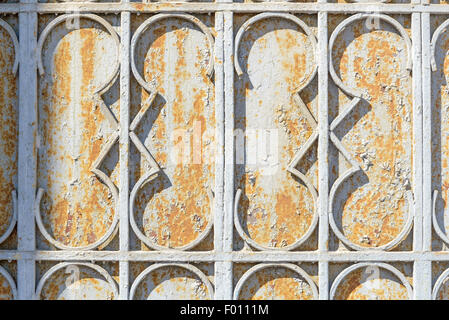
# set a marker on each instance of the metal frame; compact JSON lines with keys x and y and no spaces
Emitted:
{"x":223,"y":255}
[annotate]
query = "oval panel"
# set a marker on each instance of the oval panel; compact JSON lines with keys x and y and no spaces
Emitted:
{"x":371,"y":207}
{"x":174,"y":209}
{"x":275,"y":208}
{"x":77,"y":208}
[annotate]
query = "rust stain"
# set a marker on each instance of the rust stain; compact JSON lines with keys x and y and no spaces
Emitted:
{"x":276,"y":284}
{"x":8,"y":129}
{"x":77,"y":208}
{"x":90,"y":285}
{"x":6,"y":292}
{"x":440,"y":137}
{"x":276,"y":209}
{"x":379,"y":135}
{"x":358,"y":285}
{"x":172,"y":283}
{"x":175,"y":208}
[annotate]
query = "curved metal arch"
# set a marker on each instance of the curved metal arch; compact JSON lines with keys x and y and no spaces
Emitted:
{"x":434,"y":41}
{"x":144,"y":26}
{"x":435,"y":224}
{"x":433,"y":63}
{"x":13,"y":221}
{"x":103,"y":241}
{"x":116,"y":68}
{"x":185,"y":266}
{"x":439,"y":283}
{"x":61,"y":265}
{"x":285,"y":16}
{"x":15,"y":67}
{"x":388,"y":246}
{"x":350,"y":20}
{"x":260,"y":247}
{"x":10,"y":281}
{"x":141,"y":183}
{"x":381,"y":265}
{"x":15,"y":41}
{"x":262,"y":266}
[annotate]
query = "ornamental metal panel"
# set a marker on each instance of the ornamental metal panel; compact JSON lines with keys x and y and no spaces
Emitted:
{"x":224,"y":150}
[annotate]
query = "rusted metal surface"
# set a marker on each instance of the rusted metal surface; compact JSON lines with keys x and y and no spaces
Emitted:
{"x":8,"y":288}
{"x":175,"y":209}
{"x":171,"y":281}
{"x":276,"y":209}
{"x":216,"y":150}
{"x":370,"y":283}
{"x":77,"y":207}
{"x":276,"y":282}
{"x":371,"y":206}
{"x":440,"y":166}
{"x":82,"y":281}
{"x":8,"y":132}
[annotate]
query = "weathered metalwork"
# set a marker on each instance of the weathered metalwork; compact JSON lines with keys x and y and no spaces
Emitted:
{"x":224,"y":150}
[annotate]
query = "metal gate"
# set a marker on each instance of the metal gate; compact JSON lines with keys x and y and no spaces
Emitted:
{"x":224,"y":150}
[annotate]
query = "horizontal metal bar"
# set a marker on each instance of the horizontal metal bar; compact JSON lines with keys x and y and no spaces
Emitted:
{"x":158,"y":256}
{"x":206,"y":7}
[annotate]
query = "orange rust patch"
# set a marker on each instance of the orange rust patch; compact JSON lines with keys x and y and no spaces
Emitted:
{"x":277,"y":284}
{"x":378,"y":134}
{"x":63,"y":285}
{"x":172,"y":283}
{"x":175,"y":208}
{"x":8,"y":129}
{"x":77,"y":207}
{"x":276,"y":209}
{"x":360,"y":285}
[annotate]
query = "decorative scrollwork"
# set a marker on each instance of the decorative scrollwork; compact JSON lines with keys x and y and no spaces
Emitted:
{"x":303,"y":83}
{"x":10,"y":282}
{"x":157,"y":266}
{"x":111,"y":141}
{"x":13,"y":220}
{"x":62,"y":265}
{"x":289,"y":266}
{"x":357,"y":97}
{"x":152,"y":91}
{"x":439,"y":283}
{"x":15,"y":41}
{"x":338,"y":280}
{"x":441,"y":28}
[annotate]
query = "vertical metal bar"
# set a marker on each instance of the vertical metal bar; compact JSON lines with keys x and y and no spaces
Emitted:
{"x":124,"y":151}
{"x":220,"y":268}
{"x":427,"y":133}
{"x":228,"y":225}
{"x":323,"y":147}
{"x":426,"y":151}
{"x":27,"y":153}
{"x":417,"y":130}
{"x":420,"y":271}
